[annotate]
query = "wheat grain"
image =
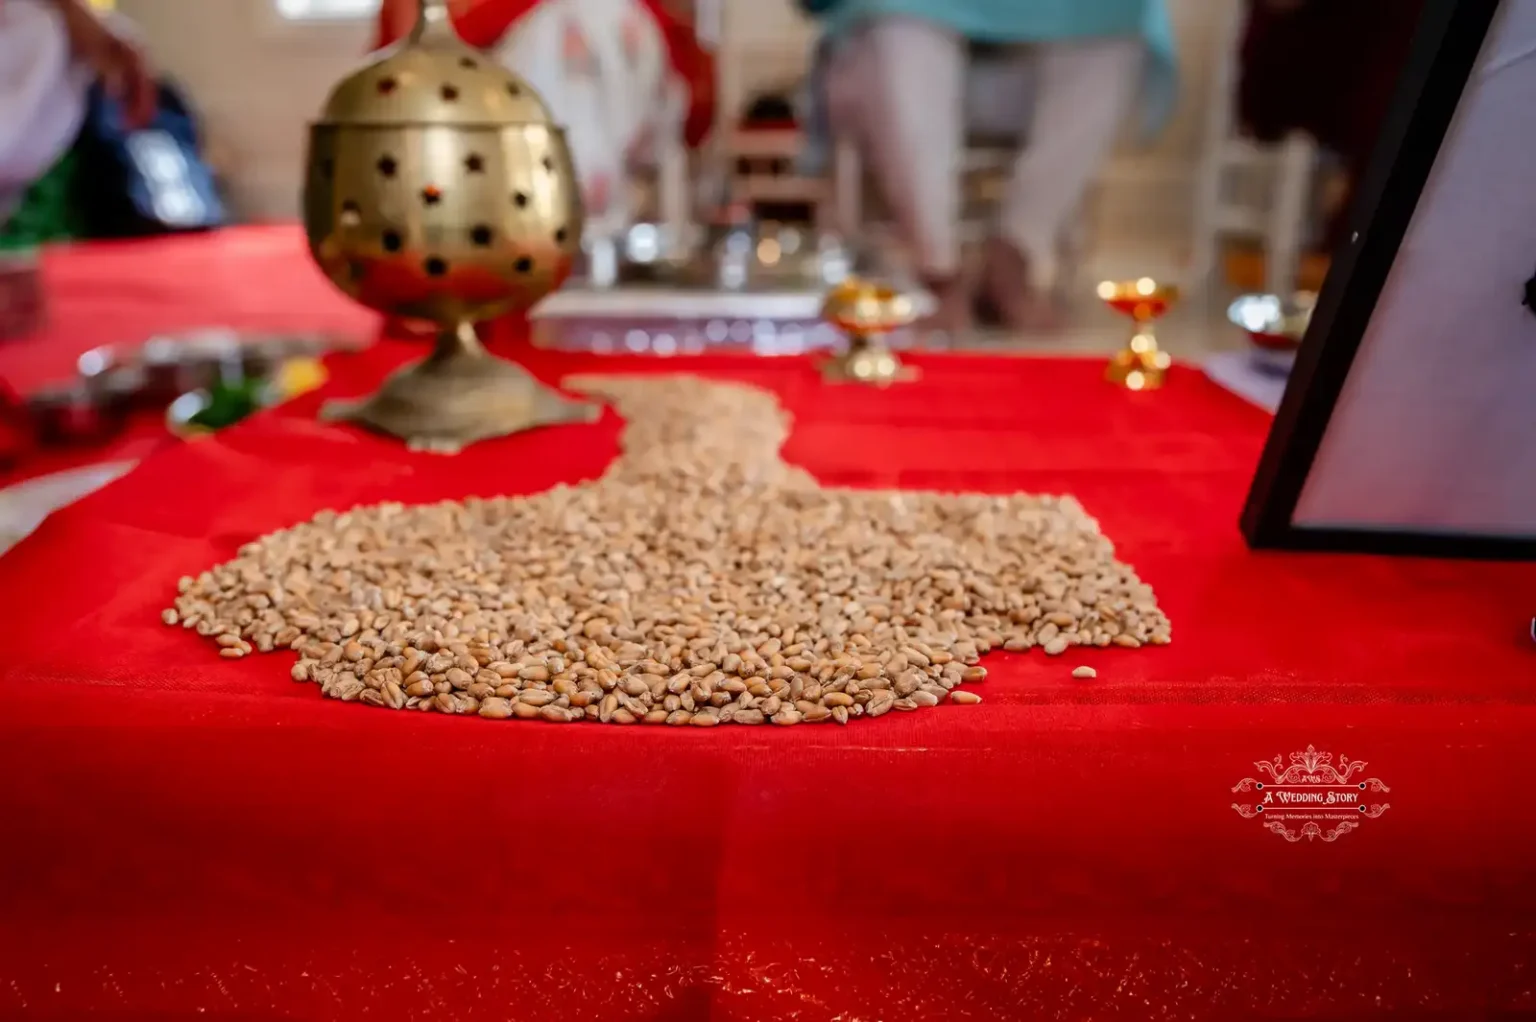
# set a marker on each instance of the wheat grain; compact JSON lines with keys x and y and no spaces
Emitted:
{"x":702,"y":580}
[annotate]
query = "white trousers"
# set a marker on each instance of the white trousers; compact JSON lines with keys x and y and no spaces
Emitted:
{"x":42,"y":95}
{"x":899,"y":89}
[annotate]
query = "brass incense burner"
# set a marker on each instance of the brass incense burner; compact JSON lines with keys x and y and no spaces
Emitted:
{"x":439,"y":189}
{"x":866,"y":313}
{"x":1140,"y":365}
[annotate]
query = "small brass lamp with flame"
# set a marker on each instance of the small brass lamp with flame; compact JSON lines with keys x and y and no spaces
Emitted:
{"x":866,"y":313}
{"x":1140,"y":365}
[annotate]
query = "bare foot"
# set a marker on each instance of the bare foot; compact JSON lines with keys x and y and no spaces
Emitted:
{"x":1006,"y":286}
{"x":951,"y":314}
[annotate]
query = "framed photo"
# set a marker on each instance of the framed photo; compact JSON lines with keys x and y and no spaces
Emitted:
{"x":1409,"y":423}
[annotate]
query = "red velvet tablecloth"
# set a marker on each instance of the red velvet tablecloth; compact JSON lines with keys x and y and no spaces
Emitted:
{"x":187,"y":835}
{"x":255,"y":278}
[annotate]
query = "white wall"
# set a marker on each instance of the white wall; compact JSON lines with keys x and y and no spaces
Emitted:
{"x":257,"y":81}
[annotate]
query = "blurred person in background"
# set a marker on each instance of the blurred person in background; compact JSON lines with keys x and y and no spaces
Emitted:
{"x":52,"y":52}
{"x":893,"y":74}
{"x":611,"y":71}
{"x":1328,"y":69}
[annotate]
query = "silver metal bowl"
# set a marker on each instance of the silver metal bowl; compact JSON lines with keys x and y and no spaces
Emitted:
{"x":1275,"y":326}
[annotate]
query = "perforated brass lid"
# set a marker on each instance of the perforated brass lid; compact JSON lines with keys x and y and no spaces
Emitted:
{"x":434,"y":77}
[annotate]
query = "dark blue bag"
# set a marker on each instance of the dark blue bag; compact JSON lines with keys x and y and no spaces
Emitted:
{"x":145,"y":182}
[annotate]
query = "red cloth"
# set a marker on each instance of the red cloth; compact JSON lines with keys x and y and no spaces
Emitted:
{"x":184,"y":834}
{"x":124,"y":292}
{"x":15,"y":429}
{"x":141,"y":436}
{"x":483,"y":23}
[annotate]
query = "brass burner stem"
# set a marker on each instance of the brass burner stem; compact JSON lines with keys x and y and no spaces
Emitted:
{"x":432,"y":21}
{"x":457,"y":342}
{"x":458,"y":394}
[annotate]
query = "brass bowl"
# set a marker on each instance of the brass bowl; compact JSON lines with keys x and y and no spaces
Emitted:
{"x":864,"y":309}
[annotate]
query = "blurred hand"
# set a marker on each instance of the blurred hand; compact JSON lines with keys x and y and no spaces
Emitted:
{"x":118,"y":61}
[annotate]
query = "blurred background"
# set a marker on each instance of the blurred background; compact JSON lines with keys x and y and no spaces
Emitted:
{"x":998,"y":159}
{"x":1234,"y":184}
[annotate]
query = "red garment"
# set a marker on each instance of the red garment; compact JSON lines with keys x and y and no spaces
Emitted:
{"x":483,"y":25}
{"x":182,"y":836}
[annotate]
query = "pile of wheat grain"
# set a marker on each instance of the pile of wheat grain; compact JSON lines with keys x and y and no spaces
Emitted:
{"x":702,"y":580}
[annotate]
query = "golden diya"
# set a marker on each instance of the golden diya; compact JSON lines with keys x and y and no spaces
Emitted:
{"x":867,"y":313}
{"x":439,"y":189}
{"x":1140,"y":365}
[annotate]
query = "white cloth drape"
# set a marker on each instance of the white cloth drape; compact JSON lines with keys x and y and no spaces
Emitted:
{"x":43,"y":95}
{"x":607,"y":93}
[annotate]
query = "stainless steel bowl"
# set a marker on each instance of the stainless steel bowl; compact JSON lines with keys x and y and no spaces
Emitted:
{"x":1275,"y":326}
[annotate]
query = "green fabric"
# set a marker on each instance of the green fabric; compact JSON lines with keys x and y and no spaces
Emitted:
{"x":48,"y":212}
{"x":1038,"y":21}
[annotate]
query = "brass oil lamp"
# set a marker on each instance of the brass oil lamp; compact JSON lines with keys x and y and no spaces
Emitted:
{"x":866,"y":313}
{"x":1141,"y":364}
{"x":439,"y":189}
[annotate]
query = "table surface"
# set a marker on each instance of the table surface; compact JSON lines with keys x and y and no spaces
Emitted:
{"x":255,"y":278}
{"x":186,"y":834}
{"x":179,"y":815}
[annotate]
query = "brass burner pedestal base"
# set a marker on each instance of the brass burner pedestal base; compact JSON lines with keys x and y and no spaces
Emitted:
{"x":458,"y":395}
{"x":867,"y":361}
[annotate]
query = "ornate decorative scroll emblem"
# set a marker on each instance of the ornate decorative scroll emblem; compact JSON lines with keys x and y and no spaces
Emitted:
{"x":1312,"y":799}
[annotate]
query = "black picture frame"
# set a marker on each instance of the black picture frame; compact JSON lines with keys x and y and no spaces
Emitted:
{"x":1444,"y":52}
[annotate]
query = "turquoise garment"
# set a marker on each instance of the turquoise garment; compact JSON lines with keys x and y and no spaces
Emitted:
{"x":1036,"y":21}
